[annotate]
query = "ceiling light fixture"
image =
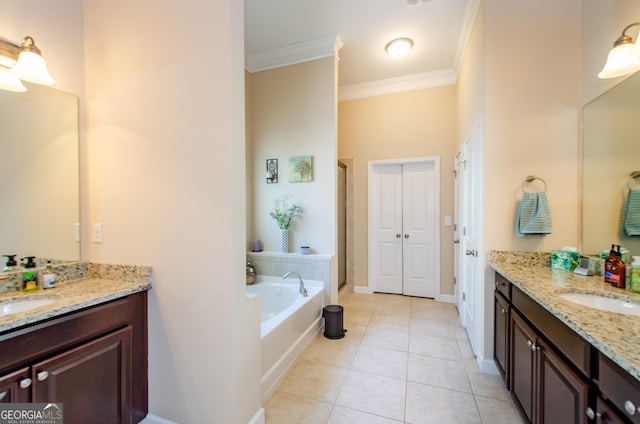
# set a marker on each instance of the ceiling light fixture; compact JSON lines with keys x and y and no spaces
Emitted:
{"x":399,"y":47}
{"x":22,"y":62}
{"x":624,"y":57}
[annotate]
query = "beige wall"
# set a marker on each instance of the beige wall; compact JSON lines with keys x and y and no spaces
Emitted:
{"x":293,"y":112}
{"x":166,"y":178}
{"x":414,"y":124}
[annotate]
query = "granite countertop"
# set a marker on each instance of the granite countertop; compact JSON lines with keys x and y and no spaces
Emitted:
{"x":617,"y":336}
{"x":84,"y":286}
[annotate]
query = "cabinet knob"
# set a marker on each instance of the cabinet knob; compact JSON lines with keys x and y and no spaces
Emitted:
{"x":42,"y":375}
{"x":503,"y":311}
{"x":591,"y":414}
{"x":529,"y":343}
{"x":406,"y":236}
{"x":3,"y":394}
{"x":25,"y":383}
{"x":398,"y":235}
{"x":630,"y":407}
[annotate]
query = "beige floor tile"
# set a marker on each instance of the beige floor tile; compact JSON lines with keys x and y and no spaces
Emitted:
{"x":374,"y":394}
{"x":393,"y":309}
{"x":440,"y":315}
{"x":356,"y":317}
{"x":436,"y":328}
{"x":496,"y":411}
{"x":313,"y":380}
{"x":374,"y":360}
{"x":429,"y":404}
{"x":338,"y":352}
{"x":285,"y":408}
{"x":392,"y":298}
{"x":427,"y":303}
{"x":438,"y":372}
{"x":359,"y":305}
{"x":390,"y":322}
{"x":424,"y":344}
{"x":486,"y":385}
{"x":354,"y":333}
{"x":384,"y":338}
{"x":342,"y":415}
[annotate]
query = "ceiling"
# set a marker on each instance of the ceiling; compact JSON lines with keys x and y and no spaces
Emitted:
{"x":284,"y":32}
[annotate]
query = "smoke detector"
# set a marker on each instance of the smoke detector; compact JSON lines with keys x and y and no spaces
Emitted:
{"x":412,"y":3}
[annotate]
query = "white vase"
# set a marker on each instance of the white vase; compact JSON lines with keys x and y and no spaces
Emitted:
{"x":284,"y":241}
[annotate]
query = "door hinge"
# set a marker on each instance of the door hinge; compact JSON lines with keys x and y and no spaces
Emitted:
{"x":455,"y":281}
{"x":464,"y":296}
{"x":464,"y":231}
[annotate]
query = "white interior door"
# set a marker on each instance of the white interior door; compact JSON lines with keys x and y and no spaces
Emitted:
{"x":457,"y":293}
{"x":419,"y":223}
{"x":385,"y":255}
{"x":470,"y":238}
{"x":403,"y":227}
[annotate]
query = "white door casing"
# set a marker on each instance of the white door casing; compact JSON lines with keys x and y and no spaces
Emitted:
{"x":403,"y":225}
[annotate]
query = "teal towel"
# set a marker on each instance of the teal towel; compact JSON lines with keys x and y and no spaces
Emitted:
{"x":630,"y":219}
{"x":534,"y":217}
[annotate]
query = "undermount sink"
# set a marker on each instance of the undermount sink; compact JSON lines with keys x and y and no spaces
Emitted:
{"x":16,"y":306}
{"x":603,"y":303}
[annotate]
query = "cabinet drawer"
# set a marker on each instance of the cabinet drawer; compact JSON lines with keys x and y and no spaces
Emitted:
{"x":620,"y":388}
{"x":503,"y":286}
{"x":574,"y":347}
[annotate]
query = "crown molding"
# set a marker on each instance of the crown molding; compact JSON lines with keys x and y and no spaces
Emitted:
{"x":398,"y":85}
{"x":293,"y":54}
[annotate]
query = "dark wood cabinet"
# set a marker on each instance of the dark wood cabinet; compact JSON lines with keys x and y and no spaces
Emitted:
{"x":501,"y":336}
{"x":522,"y":370}
{"x":543,"y":385}
{"x":93,"y":361}
{"x":562,"y":394}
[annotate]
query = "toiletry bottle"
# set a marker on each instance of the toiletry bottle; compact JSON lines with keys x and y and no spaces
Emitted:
{"x":619,"y":272}
{"x":29,"y":275}
{"x":634,"y":284}
{"x":11,"y":264}
{"x":608,"y":265}
{"x":47,"y":278}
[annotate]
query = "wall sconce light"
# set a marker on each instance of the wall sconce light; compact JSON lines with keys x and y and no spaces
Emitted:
{"x":624,"y":57}
{"x":272,"y":171}
{"x":399,"y":47}
{"x":22,"y":62}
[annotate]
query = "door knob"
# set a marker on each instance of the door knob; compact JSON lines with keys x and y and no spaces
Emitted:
{"x":406,"y":236}
{"x":398,"y":235}
{"x":471,"y":252}
{"x":456,"y":241}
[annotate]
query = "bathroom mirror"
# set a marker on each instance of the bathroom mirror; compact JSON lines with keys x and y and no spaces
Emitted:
{"x":39,"y":174}
{"x":610,"y":153}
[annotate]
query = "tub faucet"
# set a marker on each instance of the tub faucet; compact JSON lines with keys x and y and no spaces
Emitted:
{"x":302,"y":290}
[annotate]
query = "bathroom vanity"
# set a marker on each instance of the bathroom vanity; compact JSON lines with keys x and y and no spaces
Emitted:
{"x":86,"y":350}
{"x":563,"y":362}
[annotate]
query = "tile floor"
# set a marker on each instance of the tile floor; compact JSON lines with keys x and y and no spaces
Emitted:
{"x":403,"y":360}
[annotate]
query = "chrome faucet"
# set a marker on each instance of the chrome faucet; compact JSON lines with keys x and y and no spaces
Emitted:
{"x":302,"y":290}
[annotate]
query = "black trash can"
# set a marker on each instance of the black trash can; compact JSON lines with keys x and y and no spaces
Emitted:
{"x":333,"y":321}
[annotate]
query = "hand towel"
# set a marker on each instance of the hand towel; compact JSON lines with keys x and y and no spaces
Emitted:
{"x":534,"y":217}
{"x":630,"y":218}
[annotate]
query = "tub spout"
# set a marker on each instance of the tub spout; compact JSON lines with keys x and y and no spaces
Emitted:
{"x":302,"y":290}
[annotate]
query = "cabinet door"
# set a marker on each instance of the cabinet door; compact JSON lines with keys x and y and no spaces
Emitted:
{"x":607,"y":414}
{"x":92,"y":381}
{"x":501,"y":337}
{"x":16,"y":387}
{"x":523,"y":365}
{"x":562,"y":395}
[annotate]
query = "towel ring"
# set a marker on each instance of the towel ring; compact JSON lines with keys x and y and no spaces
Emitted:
{"x":634,"y":176}
{"x":532,"y":178}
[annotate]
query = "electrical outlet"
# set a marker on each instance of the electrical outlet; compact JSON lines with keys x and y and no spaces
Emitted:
{"x":97,"y":233}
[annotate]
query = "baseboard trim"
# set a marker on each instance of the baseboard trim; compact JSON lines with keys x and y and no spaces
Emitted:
{"x":446,"y":298}
{"x":258,"y":418}
{"x":487,"y":366}
{"x":362,"y":290}
{"x":155,"y":419}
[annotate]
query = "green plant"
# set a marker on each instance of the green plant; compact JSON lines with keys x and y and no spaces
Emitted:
{"x":285,"y":214}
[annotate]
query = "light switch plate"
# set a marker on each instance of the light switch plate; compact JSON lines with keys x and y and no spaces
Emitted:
{"x":97,"y":233}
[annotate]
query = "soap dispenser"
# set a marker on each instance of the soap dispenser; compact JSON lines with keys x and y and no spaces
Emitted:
{"x":29,"y":275}
{"x":11,"y":264}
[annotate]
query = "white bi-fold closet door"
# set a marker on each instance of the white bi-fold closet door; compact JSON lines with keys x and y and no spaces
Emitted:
{"x":404,"y":234}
